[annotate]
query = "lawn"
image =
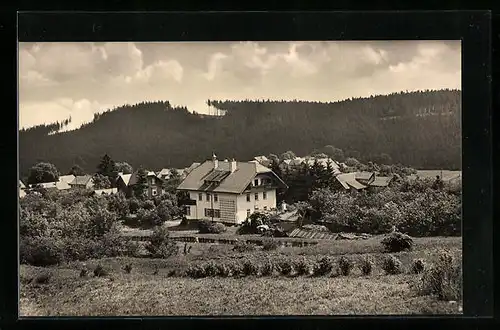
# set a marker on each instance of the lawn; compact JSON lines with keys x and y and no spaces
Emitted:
{"x":150,"y":290}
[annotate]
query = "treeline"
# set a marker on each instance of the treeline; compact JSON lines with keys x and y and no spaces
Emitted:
{"x":418,"y":129}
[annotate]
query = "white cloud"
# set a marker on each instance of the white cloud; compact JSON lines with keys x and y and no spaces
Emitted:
{"x":37,"y":113}
{"x":59,"y":79}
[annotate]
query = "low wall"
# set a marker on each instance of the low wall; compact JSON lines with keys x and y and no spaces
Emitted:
{"x":259,"y":242}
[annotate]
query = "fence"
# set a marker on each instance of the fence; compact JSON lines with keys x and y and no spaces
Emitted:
{"x":195,"y":239}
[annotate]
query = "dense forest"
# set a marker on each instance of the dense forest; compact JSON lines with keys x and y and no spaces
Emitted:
{"x":417,"y":129}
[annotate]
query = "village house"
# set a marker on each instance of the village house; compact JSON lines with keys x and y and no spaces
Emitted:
{"x":126,"y":182}
{"x":63,"y":183}
{"x":165,"y":173}
{"x":110,"y":191}
{"x":356,"y":181}
{"x":229,"y":191}
{"x":82,"y":182}
{"x":22,"y":189}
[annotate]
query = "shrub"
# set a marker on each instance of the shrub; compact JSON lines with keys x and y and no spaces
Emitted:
{"x":285,"y":267}
{"x":134,"y":204}
{"x":250,"y":268}
{"x":323,"y":267}
{"x":223,"y":269}
{"x":345,"y":266}
{"x":303,"y":267}
{"x":148,"y":205}
{"x":444,"y":279}
{"x":269,"y":245}
{"x":41,"y":251}
{"x":211,"y":268}
{"x":171,"y":273}
{"x":167,"y":209}
{"x":236,"y":268}
{"x":366,"y":266}
{"x":160,"y":245}
{"x":148,"y":218}
{"x":267,"y":268}
{"x":128,"y":268}
{"x":243,"y":247}
{"x":209,"y":227}
{"x":392,"y":265}
{"x":43,"y":278}
{"x":84,"y":272}
{"x":100,"y":271}
{"x":417,"y":266}
{"x":397,"y":242}
{"x":196,"y":271}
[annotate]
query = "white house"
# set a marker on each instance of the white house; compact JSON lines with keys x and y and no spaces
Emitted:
{"x":229,"y":191}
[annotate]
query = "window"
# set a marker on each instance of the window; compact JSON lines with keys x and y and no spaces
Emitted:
{"x":212,"y":213}
{"x":154,"y":192}
{"x":153,"y":181}
{"x":216,"y":198}
{"x":188,"y":210}
{"x":264,"y":195}
{"x":256,"y":182}
{"x":248,"y":197}
{"x":208,"y":197}
{"x":200,"y":196}
{"x":248,"y":213}
{"x":265,"y":208}
{"x":256,"y":196}
{"x":256,"y":208}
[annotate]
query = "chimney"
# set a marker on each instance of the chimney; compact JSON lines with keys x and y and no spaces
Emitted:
{"x":232,"y":166}
{"x":216,"y":162}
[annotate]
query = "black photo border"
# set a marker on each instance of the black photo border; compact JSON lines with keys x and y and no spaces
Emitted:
{"x":472,"y":27}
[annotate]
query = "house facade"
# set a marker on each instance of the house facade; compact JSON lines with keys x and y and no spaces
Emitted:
{"x":126,"y":182}
{"x":82,"y":182}
{"x":229,"y":191}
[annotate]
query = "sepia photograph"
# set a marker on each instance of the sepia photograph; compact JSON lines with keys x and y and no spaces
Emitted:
{"x":240,"y":178}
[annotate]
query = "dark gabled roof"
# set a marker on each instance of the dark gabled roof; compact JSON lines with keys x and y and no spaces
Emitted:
{"x":364,"y":175}
{"x":131,"y":179}
{"x":224,"y":181}
{"x":81,"y":180}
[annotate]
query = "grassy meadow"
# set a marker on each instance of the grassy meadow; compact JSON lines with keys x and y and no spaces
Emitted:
{"x":160,"y":287}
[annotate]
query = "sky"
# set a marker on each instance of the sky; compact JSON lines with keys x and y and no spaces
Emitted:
{"x":59,"y":80}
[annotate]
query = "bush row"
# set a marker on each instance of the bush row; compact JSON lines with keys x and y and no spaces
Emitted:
{"x":302,"y":266}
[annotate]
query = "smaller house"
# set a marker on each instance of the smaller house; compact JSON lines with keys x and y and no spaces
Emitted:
{"x":82,"y":181}
{"x":165,"y":173}
{"x":110,"y":191}
{"x":381,"y":181}
{"x":366,"y":178}
{"x":263,"y":160}
{"x":126,"y":182}
{"x":348,"y":181}
{"x":22,"y":188}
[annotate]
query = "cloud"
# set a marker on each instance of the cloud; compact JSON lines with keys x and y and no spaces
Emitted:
{"x":100,"y":75}
{"x":81,"y":111}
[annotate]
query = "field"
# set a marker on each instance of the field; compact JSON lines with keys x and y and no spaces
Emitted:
{"x":151,"y":288}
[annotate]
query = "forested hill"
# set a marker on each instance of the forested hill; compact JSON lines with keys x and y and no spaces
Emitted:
{"x":419,"y":129}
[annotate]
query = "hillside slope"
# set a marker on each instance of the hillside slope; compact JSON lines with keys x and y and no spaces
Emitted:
{"x":419,"y":129}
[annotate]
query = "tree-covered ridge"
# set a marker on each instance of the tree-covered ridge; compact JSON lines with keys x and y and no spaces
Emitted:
{"x":417,"y":129}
